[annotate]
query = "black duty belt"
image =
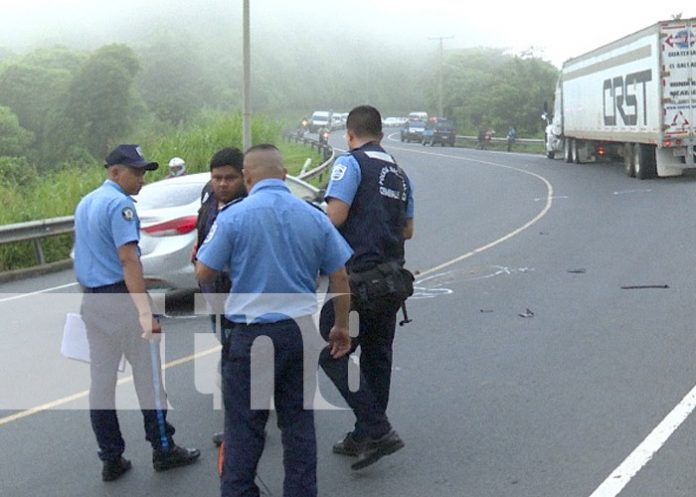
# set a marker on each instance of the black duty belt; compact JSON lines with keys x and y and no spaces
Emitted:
{"x":117,"y":287}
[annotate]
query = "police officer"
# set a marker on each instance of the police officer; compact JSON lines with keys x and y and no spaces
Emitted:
{"x":370,"y":200}
{"x":118,"y":314}
{"x":275,"y":245}
{"x":226,"y":185}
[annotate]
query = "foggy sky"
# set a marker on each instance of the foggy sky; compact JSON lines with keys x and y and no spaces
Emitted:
{"x":557,"y":31}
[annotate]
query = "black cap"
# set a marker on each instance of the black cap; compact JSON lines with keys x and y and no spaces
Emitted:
{"x":131,"y":156}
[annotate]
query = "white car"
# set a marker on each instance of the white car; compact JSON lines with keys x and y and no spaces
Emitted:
{"x":168,"y":211}
{"x":392,"y":122}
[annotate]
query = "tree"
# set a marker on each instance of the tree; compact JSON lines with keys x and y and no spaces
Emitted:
{"x":175,"y":82}
{"x":33,"y":92}
{"x":485,"y":87}
{"x":14,"y":140}
{"x":100,"y":101}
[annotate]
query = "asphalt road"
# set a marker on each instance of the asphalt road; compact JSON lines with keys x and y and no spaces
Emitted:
{"x":527,"y":371}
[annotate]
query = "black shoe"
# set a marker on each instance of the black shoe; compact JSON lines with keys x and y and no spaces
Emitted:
{"x":177,"y":456}
{"x":349,"y":446}
{"x":113,"y":470}
{"x":376,"y":449}
{"x":218,"y":438}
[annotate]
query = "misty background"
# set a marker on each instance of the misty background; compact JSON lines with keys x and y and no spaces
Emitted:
{"x":77,"y":77}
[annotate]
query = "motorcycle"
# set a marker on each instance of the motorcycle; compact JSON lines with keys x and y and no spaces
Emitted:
{"x":323,"y":136}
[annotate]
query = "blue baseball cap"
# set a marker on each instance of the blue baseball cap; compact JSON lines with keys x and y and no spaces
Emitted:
{"x":131,"y":156}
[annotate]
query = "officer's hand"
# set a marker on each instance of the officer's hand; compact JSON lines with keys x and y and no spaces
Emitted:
{"x":339,"y":342}
{"x":151,"y":327}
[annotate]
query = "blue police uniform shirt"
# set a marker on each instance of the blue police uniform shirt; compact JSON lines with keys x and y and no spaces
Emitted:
{"x":105,"y":220}
{"x":345,"y":180}
{"x":274,"y":246}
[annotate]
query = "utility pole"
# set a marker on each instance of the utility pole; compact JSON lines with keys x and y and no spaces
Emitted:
{"x":246,"y":89}
{"x":440,"y":109}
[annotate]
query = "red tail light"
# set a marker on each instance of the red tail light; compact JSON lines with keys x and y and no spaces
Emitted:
{"x":179,"y":226}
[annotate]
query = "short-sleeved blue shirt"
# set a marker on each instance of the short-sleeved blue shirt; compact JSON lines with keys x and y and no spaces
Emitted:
{"x":274,"y":246}
{"x":345,"y":180}
{"x":105,"y":220}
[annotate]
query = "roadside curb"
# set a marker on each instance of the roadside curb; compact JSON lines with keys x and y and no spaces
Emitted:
{"x":31,"y":272}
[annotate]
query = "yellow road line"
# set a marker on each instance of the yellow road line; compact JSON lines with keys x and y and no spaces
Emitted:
{"x":85,"y":393}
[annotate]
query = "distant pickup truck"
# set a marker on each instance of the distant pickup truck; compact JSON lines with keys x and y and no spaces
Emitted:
{"x":439,"y":131}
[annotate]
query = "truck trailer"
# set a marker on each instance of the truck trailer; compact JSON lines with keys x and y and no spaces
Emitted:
{"x":633,"y":99}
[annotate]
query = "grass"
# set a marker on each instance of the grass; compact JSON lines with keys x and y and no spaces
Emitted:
{"x":56,"y":193}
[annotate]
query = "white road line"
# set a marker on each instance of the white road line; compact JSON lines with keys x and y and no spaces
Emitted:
{"x":641,"y":455}
{"x":31,"y":294}
{"x":547,"y":206}
{"x":625,"y":192}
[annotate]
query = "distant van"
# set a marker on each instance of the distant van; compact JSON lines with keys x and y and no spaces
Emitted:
{"x":418,"y":116}
{"x":320,"y":119}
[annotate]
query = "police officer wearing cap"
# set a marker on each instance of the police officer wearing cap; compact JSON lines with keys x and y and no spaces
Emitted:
{"x":274,"y":245}
{"x":370,"y":199}
{"x":118,"y":314}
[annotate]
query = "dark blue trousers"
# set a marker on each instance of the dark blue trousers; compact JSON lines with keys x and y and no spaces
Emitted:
{"x":257,"y":359}
{"x":113,"y":330}
{"x":375,"y":337}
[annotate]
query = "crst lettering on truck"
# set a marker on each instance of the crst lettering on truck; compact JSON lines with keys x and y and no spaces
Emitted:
{"x":626,"y":96}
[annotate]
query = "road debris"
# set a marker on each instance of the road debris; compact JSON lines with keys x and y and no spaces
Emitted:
{"x":527,"y":314}
{"x":642,"y":287}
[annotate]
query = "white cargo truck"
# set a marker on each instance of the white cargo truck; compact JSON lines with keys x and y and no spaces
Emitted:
{"x":633,"y":99}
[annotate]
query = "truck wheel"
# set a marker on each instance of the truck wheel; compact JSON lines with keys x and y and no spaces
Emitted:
{"x":644,"y":161}
{"x":550,"y":155}
{"x":567,"y":155}
{"x":629,"y":165}
{"x":575,"y":152}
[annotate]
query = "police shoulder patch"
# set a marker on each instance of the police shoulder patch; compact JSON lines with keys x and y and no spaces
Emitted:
{"x":338,"y":172}
{"x":128,"y":214}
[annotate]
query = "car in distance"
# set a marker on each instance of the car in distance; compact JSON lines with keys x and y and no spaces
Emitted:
{"x":319,"y":119}
{"x":392,"y":122}
{"x":418,"y":116}
{"x":412,"y":130}
{"x":439,"y":131}
{"x":168,"y":211}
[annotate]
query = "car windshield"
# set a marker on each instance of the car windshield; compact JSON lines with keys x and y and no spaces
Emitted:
{"x":168,"y":194}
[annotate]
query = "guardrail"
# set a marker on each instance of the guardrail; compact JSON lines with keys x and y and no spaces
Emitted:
{"x":503,"y":140}
{"x":327,"y":150}
{"x":35,"y":231}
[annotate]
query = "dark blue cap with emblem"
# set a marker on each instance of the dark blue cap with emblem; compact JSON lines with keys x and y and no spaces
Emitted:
{"x":131,"y":156}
